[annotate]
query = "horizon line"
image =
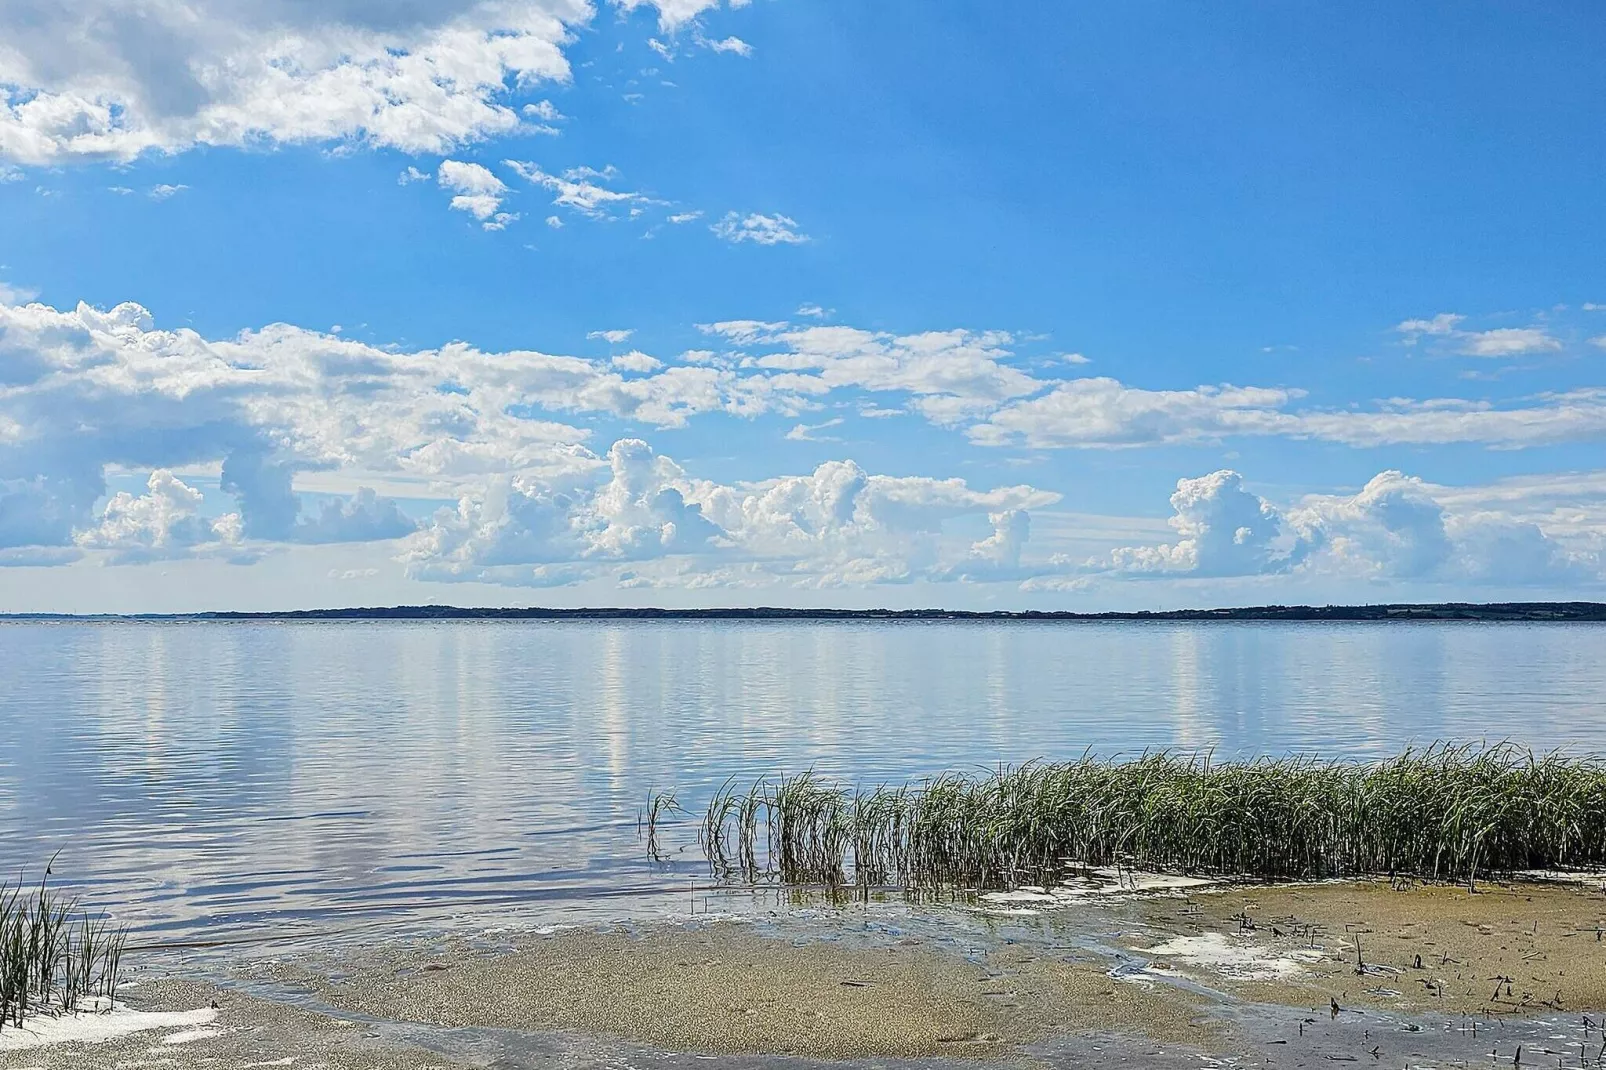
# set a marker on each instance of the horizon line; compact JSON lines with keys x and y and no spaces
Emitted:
{"x":1572,"y":611}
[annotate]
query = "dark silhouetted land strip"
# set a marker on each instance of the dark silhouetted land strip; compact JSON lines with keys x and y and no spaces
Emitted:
{"x":1437,"y":611}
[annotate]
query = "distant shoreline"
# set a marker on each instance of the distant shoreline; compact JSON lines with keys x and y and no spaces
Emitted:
{"x":1436,"y":611}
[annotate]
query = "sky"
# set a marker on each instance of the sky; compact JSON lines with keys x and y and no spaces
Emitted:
{"x":1059,"y":305}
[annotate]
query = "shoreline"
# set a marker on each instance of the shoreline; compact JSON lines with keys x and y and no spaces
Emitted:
{"x":1232,"y":973}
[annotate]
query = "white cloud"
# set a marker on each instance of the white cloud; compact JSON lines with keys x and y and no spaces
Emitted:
{"x":611,"y":337}
{"x":9,"y":173}
{"x":744,"y":332}
{"x":684,"y":217}
{"x":1397,"y":527}
{"x":837,"y":526}
{"x":544,"y":113}
{"x":554,"y":222}
{"x":733,"y":45}
{"x":13,"y":295}
{"x":580,"y":189}
{"x":83,"y":389}
{"x":1443,"y":323}
{"x":104,"y":80}
{"x":163,"y":191}
{"x":476,"y":191}
{"x":1224,"y":528}
{"x":363,"y":517}
{"x":759,"y":229}
{"x":812,"y":311}
{"x":806,"y":432}
{"x":636,"y":361}
{"x":1105,"y":413}
{"x":163,"y":523}
{"x":544,"y":110}
{"x":282,"y":413}
{"x":1102,"y":413}
{"x":1599,"y":340}
{"x":1498,"y":342}
{"x":1508,"y":342}
{"x":673,"y":14}
{"x":952,"y":375}
{"x":411,"y":175}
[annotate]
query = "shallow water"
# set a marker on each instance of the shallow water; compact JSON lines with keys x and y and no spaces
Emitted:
{"x":212,"y":781}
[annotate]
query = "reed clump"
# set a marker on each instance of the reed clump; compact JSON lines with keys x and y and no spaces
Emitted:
{"x":1438,"y":813}
{"x":53,"y":957}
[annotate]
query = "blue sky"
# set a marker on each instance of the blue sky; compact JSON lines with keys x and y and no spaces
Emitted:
{"x":698,"y":303}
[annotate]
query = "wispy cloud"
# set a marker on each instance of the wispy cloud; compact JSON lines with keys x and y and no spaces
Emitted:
{"x":759,"y":228}
{"x":1496,"y":342}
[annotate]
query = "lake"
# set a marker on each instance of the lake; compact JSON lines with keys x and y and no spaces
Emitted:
{"x":238,"y":780}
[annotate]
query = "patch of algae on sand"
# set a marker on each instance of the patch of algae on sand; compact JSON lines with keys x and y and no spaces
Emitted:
{"x":724,"y":989}
{"x":1506,"y":949}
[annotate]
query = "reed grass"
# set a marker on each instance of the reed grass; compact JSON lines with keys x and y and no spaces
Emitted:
{"x":53,"y":956}
{"x":1440,"y":813}
{"x":660,"y":805}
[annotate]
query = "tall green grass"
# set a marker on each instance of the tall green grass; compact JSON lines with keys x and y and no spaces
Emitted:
{"x":52,"y":955}
{"x":1443,"y":813}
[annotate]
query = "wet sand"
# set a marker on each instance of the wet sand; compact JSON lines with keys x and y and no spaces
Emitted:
{"x":725,"y":989}
{"x":1231,"y":976}
{"x":1524,"y":949}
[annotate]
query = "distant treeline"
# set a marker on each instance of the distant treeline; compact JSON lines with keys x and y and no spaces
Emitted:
{"x":1437,"y":611}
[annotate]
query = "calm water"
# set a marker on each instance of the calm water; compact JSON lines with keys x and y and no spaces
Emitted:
{"x":212,"y":780}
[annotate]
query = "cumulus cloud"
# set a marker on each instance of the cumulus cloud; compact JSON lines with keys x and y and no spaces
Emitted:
{"x":1224,"y":528}
{"x":1392,"y":527}
{"x":84,"y":389}
{"x":838,"y":525}
{"x":162,"y":523}
{"x":106,"y":79}
{"x":275,"y":410}
{"x":1397,"y":527}
{"x":475,"y":191}
{"x":363,"y":517}
{"x":1400,"y":526}
{"x":759,"y":229}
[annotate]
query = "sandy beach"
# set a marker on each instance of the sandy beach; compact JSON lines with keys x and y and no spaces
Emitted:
{"x":1228,"y":975}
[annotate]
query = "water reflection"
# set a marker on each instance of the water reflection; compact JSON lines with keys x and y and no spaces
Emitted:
{"x":239,"y":777}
